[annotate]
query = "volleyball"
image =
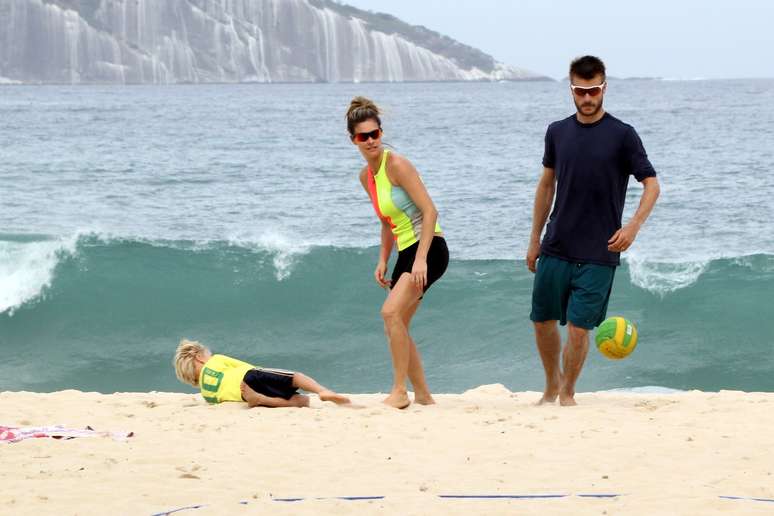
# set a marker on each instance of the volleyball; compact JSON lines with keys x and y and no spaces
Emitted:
{"x":616,"y":337}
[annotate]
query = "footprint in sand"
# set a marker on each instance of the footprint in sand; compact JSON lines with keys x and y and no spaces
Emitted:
{"x":650,"y":406}
{"x":188,"y":472}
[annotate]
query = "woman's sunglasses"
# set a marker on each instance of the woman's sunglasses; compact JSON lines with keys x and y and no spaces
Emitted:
{"x":592,"y":91}
{"x":363,"y":137}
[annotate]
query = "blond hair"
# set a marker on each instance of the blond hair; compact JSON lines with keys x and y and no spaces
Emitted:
{"x":360,"y":110}
{"x":185,"y":361}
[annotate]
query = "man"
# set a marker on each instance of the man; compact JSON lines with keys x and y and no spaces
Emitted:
{"x":588,"y":159}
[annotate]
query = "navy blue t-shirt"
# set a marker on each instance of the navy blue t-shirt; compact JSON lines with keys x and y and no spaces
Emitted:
{"x":592,"y":164}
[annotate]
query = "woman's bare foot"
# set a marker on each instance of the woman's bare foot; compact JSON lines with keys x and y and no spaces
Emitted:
{"x":252,"y":398}
{"x":335,"y":397}
{"x":397,"y":399}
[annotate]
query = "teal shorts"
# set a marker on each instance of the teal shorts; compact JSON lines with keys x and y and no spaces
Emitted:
{"x":569,"y":291}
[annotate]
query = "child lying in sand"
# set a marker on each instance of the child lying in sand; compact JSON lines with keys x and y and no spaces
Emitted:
{"x":223,"y":378}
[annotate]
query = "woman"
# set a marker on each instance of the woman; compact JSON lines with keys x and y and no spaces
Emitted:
{"x":409,"y":218}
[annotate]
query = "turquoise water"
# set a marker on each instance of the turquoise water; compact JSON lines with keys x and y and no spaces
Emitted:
{"x":132,"y":217}
{"x":115,"y":310}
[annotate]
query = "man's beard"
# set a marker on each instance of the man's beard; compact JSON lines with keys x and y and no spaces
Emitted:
{"x":594,"y":113}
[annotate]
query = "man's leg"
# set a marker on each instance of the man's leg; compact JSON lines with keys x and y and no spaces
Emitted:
{"x":587,"y":306}
{"x":549,"y":303}
{"x":572,"y":362}
{"x":549,"y":345}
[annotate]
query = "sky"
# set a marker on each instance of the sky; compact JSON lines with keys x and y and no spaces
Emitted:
{"x":685,"y":39}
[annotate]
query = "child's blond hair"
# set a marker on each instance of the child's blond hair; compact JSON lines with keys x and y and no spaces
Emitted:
{"x":185,"y":361}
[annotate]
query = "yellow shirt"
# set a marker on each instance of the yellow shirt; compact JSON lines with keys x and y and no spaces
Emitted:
{"x":221,"y":377}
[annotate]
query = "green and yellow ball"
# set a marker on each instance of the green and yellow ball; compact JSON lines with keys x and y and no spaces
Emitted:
{"x":616,"y":337}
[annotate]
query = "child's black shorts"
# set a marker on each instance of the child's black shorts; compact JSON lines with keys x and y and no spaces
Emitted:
{"x":274,"y":383}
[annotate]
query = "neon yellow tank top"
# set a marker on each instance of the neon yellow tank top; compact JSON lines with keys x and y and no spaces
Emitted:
{"x":221,"y":377}
{"x":393,"y":205}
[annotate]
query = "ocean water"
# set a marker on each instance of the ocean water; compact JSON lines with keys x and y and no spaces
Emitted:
{"x":131,"y":217}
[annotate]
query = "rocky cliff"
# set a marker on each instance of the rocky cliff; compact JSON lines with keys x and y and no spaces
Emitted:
{"x":195,"y":41}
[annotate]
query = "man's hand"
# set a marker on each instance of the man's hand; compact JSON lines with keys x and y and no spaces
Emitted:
{"x":623,"y":238}
{"x":533,"y":251}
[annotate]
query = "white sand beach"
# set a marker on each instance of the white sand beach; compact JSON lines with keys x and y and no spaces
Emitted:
{"x":660,"y":453}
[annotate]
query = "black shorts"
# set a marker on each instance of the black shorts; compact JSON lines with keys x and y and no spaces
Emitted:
{"x":274,"y":383}
{"x":437,"y":261}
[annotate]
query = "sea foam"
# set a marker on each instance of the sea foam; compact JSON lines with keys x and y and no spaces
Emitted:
{"x":27,"y":269}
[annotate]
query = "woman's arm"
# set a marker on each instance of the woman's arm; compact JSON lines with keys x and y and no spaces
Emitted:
{"x":384,"y":256}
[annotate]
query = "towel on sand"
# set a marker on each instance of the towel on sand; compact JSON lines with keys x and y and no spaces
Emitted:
{"x":9,"y":434}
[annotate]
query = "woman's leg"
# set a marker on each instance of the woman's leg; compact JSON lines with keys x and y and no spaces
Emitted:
{"x":416,"y":372}
{"x":402,"y":297}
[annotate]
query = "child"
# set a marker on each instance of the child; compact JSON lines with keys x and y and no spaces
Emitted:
{"x":223,"y":378}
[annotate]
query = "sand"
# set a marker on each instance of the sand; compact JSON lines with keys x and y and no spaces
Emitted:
{"x":661,"y":453}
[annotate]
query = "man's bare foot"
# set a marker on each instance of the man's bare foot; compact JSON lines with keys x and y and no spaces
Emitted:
{"x":249,"y":395}
{"x":567,"y":399}
{"x":551,"y":392}
{"x":335,"y":397}
{"x":424,"y":399}
{"x":398,"y":400}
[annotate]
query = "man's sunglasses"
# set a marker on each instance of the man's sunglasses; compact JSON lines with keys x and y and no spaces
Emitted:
{"x":363,"y":137}
{"x":592,"y":91}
